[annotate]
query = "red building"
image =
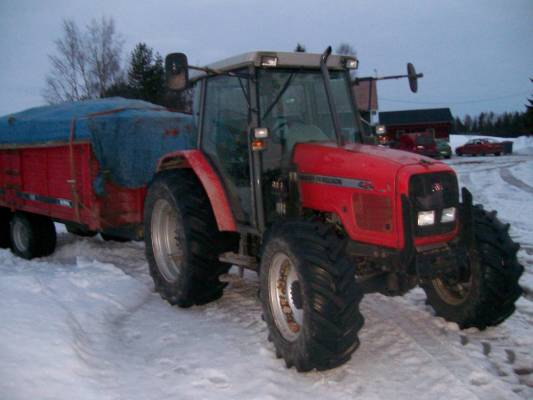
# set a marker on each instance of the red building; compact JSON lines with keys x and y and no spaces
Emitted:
{"x":436,"y":121}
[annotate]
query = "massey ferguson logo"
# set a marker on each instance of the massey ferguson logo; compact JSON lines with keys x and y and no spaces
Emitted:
{"x":437,"y":187}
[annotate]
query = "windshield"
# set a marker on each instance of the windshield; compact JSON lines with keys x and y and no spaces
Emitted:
{"x":294,"y":107}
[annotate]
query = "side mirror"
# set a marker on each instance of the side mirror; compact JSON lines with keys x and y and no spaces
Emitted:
{"x":176,"y":71}
{"x":413,"y":77}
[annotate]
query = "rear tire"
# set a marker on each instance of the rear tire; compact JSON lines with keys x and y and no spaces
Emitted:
{"x":309,"y":296}
{"x":32,"y":235}
{"x":182,"y":240}
{"x":488,"y":295}
{"x":5,"y":217}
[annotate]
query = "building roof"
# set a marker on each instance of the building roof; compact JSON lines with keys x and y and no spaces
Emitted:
{"x":366,"y":95}
{"x":409,"y":117}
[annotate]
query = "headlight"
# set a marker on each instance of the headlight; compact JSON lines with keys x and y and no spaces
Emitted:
{"x":351,"y":63}
{"x":448,"y":215}
{"x":269,"y":61}
{"x":426,"y":218}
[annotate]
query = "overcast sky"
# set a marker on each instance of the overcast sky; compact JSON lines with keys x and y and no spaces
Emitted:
{"x":475,"y":55}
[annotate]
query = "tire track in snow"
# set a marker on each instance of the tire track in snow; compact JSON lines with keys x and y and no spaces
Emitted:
{"x":508,"y":177}
{"x":475,"y":379}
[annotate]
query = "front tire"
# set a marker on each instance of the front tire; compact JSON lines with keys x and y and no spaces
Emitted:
{"x":487,"y":293}
{"x":182,"y":240}
{"x":309,"y":295}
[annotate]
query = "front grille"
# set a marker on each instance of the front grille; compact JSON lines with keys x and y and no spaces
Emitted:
{"x":373,"y":212}
{"x":435,"y":191}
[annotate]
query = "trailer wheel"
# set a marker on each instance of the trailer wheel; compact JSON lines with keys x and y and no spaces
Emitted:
{"x":489,"y":289}
{"x":5,"y":217}
{"x":309,"y":295}
{"x":32,"y":235}
{"x":182,"y":240}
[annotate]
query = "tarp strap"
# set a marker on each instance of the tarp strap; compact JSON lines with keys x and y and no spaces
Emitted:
{"x":72,"y":181}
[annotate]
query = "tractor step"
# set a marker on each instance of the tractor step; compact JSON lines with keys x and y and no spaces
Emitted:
{"x":240,"y":260}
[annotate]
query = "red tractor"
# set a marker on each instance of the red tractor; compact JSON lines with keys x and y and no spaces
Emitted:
{"x":279,"y":180}
{"x":321,"y":216}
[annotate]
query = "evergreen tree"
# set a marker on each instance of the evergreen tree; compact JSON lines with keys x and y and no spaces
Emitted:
{"x":346,"y":49}
{"x":146,"y":81}
{"x":481,"y":122}
{"x":300,"y":48}
{"x":528,"y":119}
{"x":468,"y":123}
{"x":146,"y":74}
{"x":458,"y":125}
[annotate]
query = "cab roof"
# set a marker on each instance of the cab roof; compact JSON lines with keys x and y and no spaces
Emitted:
{"x":285,"y":60}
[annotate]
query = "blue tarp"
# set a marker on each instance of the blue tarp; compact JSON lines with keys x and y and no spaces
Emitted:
{"x":127,"y":136}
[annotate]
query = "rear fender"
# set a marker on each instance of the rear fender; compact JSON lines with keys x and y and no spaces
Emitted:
{"x":195,"y":160}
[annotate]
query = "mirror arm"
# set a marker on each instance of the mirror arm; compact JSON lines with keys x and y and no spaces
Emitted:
{"x":381,"y":78}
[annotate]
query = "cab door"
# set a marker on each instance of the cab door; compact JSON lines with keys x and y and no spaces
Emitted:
{"x":225,"y":139}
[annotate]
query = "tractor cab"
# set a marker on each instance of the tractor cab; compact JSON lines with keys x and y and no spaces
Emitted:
{"x":253,"y":109}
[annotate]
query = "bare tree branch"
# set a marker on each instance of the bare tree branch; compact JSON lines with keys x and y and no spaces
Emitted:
{"x":86,"y":64}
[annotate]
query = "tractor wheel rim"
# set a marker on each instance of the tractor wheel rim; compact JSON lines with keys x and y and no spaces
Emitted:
{"x":21,"y":235}
{"x":168,"y":250}
{"x":453,"y":294}
{"x":286,"y":300}
{"x":456,"y":291}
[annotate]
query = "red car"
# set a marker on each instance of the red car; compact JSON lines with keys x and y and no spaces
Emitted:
{"x":480,"y":146}
{"x":420,"y":143}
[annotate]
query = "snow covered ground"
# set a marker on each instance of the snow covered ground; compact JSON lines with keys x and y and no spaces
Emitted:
{"x":85,"y":323}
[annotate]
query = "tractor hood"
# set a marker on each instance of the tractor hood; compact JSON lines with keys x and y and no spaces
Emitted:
{"x":363,"y":185}
{"x":373,"y":164}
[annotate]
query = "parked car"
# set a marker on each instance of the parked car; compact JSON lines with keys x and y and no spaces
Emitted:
{"x":481,"y":147}
{"x":420,"y":143}
{"x":443,"y":148}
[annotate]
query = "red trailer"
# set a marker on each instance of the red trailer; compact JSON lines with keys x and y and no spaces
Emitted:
{"x":56,"y":181}
{"x":64,"y":164}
